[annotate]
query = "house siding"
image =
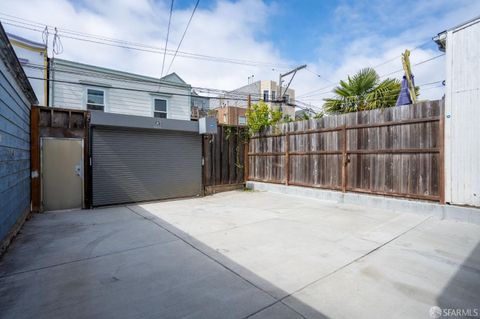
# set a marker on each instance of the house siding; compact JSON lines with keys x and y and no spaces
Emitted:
{"x":128,"y":102}
{"x":14,"y":153}
{"x":462,"y":115}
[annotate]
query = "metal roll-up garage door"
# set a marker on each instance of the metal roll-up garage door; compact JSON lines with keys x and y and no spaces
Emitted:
{"x":131,"y":165}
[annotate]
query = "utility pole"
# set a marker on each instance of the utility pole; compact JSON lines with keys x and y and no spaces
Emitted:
{"x":281,"y":96}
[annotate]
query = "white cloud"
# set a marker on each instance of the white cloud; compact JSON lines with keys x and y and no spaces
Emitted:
{"x":226,"y":30}
{"x":232,"y":29}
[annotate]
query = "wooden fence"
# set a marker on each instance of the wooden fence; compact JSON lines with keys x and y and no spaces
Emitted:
{"x":396,"y":151}
{"x":224,"y":159}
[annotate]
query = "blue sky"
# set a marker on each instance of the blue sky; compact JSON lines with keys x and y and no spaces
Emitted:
{"x":335,"y":38}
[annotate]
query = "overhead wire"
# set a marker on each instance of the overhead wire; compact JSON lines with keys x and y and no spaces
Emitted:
{"x":168,"y":33}
{"x":127,"y":79}
{"x":86,"y":37}
{"x":183,"y":35}
{"x":389,"y":94}
{"x":124,"y":88}
{"x":374,"y":66}
{"x":381,"y":76}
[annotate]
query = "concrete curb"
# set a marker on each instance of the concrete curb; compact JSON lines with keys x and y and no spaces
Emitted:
{"x":449,"y":212}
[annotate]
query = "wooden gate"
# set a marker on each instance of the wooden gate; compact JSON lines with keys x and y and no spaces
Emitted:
{"x":224,"y":159}
{"x":396,"y":151}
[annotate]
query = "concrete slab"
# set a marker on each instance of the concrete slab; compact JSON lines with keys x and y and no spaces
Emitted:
{"x":404,"y":279}
{"x":239,"y":255}
{"x":449,"y":212}
{"x":61,"y":237}
{"x":169,"y":280}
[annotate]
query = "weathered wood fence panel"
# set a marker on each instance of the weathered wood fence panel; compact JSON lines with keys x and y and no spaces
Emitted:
{"x":223,"y":159}
{"x":396,"y":151}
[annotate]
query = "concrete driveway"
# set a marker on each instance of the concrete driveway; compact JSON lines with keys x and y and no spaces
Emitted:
{"x":240,"y":255}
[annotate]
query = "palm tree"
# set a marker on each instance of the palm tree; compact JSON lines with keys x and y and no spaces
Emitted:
{"x":363,"y":91}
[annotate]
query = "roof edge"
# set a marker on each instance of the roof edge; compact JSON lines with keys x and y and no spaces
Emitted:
{"x":91,"y":67}
{"x":13,"y":65}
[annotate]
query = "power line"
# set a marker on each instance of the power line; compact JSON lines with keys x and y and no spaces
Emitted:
{"x":183,"y":36}
{"x":128,"y":79}
{"x":74,"y":35}
{"x":168,"y":33}
{"x":125,"y":89}
{"x":386,"y":95}
{"x":375,"y":66}
{"x":381,"y":76}
{"x":318,"y":75}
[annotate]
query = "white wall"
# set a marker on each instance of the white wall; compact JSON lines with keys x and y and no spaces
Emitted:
{"x":462,"y":116}
{"x":130,"y":102}
{"x":37,"y":58}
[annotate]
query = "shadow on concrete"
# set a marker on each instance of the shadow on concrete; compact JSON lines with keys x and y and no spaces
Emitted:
{"x":463,"y":290}
{"x":166,"y":275}
{"x":273,"y":310}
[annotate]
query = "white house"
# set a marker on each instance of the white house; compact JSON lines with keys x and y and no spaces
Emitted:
{"x":80,"y":86}
{"x":462,"y":112}
{"x":33,"y":58}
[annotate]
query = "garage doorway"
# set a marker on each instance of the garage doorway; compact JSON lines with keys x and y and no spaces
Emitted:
{"x":62,"y":173}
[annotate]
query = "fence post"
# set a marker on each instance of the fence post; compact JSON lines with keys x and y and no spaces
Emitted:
{"x":344,"y":158}
{"x":246,"y":161}
{"x":441,"y":158}
{"x":287,"y":158}
{"x":35,"y":159}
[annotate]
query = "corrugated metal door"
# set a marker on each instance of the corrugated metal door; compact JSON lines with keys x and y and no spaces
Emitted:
{"x":142,"y":165}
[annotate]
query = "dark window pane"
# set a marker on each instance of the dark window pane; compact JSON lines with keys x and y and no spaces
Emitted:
{"x":160,"y":105}
{"x":95,"y":96}
{"x":95,"y":107}
{"x":162,"y":115}
{"x":265,"y":96}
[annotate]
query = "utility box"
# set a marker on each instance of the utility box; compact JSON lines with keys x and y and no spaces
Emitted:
{"x":207,"y":125}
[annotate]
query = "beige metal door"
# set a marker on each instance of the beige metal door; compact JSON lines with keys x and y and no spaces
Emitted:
{"x":62,"y":173}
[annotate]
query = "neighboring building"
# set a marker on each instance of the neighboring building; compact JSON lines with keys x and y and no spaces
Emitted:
{"x":231,"y":115}
{"x":33,"y":58}
{"x":462,"y":112}
{"x":87,"y":87}
{"x":200,"y":106}
{"x":268,"y":91}
{"x":17,"y":96}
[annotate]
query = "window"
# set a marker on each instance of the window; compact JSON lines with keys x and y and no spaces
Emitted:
{"x":273,"y":95}
{"x":95,"y":99}
{"x":265,"y":96}
{"x":242,"y":120}
{"x":160,"y":108}
{"x":287,"y":98}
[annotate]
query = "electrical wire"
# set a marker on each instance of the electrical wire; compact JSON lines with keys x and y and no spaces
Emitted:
{"x":126,"y":89}
{"x":381,"y":76}
{"x":86,"y":37}
{"x":168,"y":33}
{"x":183,"y":36}
{"x":375,"y":66}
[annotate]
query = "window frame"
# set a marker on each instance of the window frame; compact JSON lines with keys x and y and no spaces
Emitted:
{"x":166,"y":107}
{"x":245,"y":120}
{"x":266,"y":96}
{"x":273,"y":95}
{"x":94,"y":88}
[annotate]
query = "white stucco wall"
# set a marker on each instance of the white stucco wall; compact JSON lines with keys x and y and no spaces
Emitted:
{"x":33,"y":62}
